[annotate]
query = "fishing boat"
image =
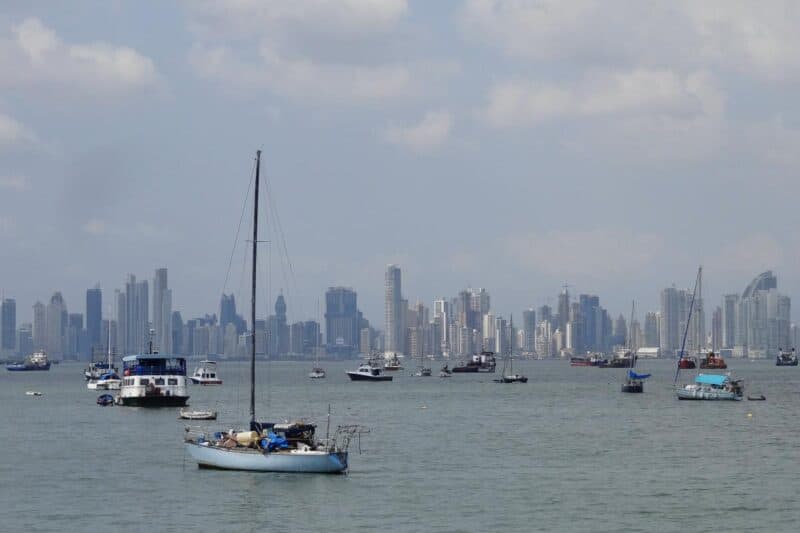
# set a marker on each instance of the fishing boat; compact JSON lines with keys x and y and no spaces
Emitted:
{"x":269,"y":447}
{"x":579,"y":361}
{"x":197,"y":414}
{"x":37,"y":361}
{"x":712,"y":387}
{"x":786,"y":358}
{"x":470,"y":367}
{"x":687,"y":363}
{"x":368,"y":371}
{"x":153,"y":380}
{"x":713,"y":362}
{"x":206,"y":374}
{"x":392,"y":362}
{"x":623,"y":359}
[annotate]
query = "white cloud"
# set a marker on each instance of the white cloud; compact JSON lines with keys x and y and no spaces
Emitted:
{"x":14,"y":132}
{"x":758,"y":38}
{"x":635,"y":92}
{"x":15,"y":183}
{"x":35,"y":54}
{"x":430,"y":133}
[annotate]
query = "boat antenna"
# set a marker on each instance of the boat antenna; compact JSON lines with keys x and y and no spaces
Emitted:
{"x":253,"y":299}
{"x":688,"y":321}
{"x":630,"y":335}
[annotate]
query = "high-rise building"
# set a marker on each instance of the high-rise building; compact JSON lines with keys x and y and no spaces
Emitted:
{"x":528,"y":331}
{"x":161,"y":315}
{"x":730,"y":308}
{"x":674,"y":314}
{"x":716,"y":329}
{"x":563,"y":308}
{"x":57,"y":318}
{"x":133,"y":316}
{"x":25,"y":340}
{"x":94,"y":318}
{"x":8,"y":327}
{"x":342,"y":322}
{"x":651,"y":333}
{"x":764,"y":319}
{"x":39,"y":332}
{"x":394,"y":312}
{"x":281,"y":328}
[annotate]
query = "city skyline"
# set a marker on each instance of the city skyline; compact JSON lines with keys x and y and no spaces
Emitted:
{"x":754,"y":323}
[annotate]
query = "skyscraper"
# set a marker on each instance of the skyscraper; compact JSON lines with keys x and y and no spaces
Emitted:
{"x":563,"y":308}
{"x":730,"y":308}
{"x":133,"y":316}
{"x":394,"y":313}
{"x":528,"y":331}
{"x":39,"y":332}
{"x":57,"y":318}
{"x":160,"y":325}
{"x":342,"y":321}
{"x":94,"y":318}
{"x":8,"y":327}
{"x":651,"y":334}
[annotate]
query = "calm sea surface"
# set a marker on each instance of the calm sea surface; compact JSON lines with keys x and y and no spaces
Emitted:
{"x":564,"y":452}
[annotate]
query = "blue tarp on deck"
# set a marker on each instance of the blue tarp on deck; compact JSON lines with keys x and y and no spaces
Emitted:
{"x":711,"y":379}
{"x":634,"y":375}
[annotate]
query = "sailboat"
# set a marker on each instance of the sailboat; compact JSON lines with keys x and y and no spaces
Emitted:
{"x":633,"y":382}
{"x":706,"y":386}
{"x":269,"y":447}
{"x":109,"y":380}
{"x":510,"y":376}
{"x":317,"y":372}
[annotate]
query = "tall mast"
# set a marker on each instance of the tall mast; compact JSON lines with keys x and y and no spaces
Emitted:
{"x":688,"y":321}
{"x":253,"y":297}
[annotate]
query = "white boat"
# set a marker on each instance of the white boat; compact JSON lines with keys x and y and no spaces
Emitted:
{"x":206,"y":374}
{"x":269,"y":447}
{"x":445,"y":372}
{"x":392,"y":362}
{"x":107,"y":380}
{"x":317,"y":373}
{"x":368,"y":371}
{"x":153,"y":380}
{"x":198,"y":414}
{"x":33,"y":393}
{"x":712,"y":387}
{"x":509,"y":376}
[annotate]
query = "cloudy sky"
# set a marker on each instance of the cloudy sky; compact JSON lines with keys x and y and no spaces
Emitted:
{"x":512,"y":145}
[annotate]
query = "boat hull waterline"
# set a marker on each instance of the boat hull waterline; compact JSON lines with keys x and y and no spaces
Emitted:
{"x":310,"y":462}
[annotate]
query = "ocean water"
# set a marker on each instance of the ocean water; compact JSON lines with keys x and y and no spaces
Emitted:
{"x":565,"y":452}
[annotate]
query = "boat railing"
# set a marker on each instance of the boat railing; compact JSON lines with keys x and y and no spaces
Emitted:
{"x":343,"y":436}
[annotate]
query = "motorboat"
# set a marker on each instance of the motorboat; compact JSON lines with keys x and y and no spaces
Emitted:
{"x":445,"y":372}
{"x":687,"y":363}
{"x":423,"y":371}
{"x":108,"y":381}
{"x":198,"y":414}
{"x":317,"y":373}
{"x":368,"y":372}
{"x":32,"y":393}
{"x":206,"y":374}
{"x":713,"y":362}
{"x":392,"y":362}
{"x":153,"y":380}
{"x":712,"y":387}
{"x":786,"y":358}
{"x":36,"y":361}
{"x":97,"y":369}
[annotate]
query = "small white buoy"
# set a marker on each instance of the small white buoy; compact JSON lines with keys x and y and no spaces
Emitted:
{"x":749,"y":415}
{"x":423,"y":406}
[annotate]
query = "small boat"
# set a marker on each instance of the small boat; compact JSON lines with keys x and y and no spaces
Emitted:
{"x":634,"y":383}
{"x":206,"y":374}
{"x":620,"y":360}
{"x":33,"y":393}
{"x":713,"y":362}
{"x":392,"y":362}
{"x":37,"y":361}
{"x":108,"y":381}
{"x":153,"y":380}
{"x":786,"y":358}
{"x":368,"y":372}
{"x":687,"y":363}
{"x":580,"y":361}
{"x":464,"y":368}
{"x":712,"y":387}
{"x":511,"y":377}
{"x":105,"y":400}
{"x":445,"y":372}
{"x":317,"y":373}
{"x":198,"y":414}
{"x":759,"y":398}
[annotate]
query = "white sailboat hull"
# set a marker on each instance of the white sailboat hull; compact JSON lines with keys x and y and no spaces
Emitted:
{"x":312,"y":462}
{"x":700,"y":394}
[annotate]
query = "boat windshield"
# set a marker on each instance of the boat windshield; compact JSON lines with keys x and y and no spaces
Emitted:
{"x":154,"y":366}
